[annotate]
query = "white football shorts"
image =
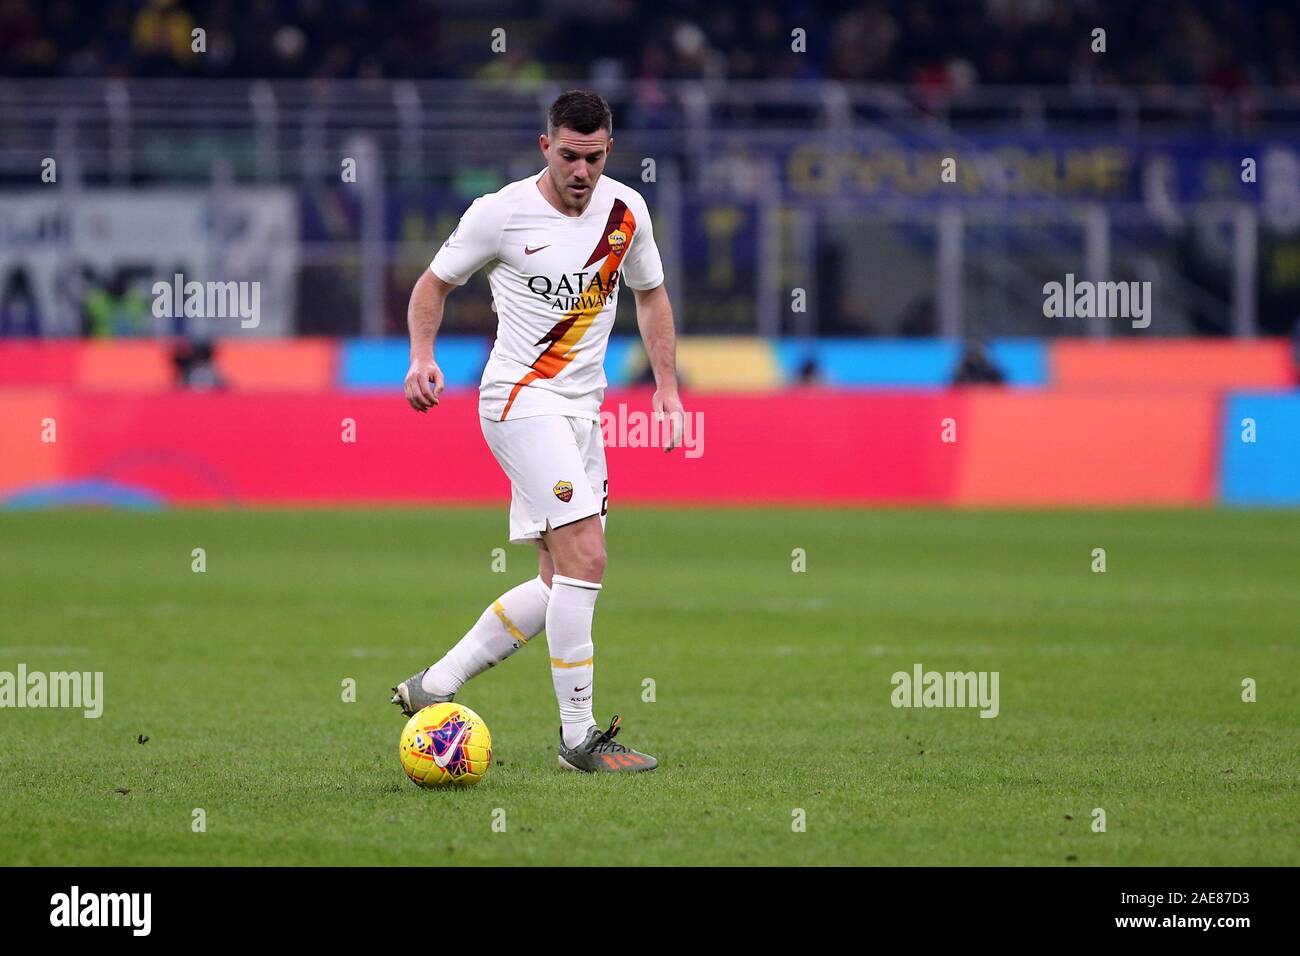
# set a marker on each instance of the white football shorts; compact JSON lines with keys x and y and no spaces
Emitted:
{"x":556,"y":467}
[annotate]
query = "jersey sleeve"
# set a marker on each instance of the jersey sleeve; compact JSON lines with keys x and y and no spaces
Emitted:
{"x":642,"y":268}
{"x":473,"y":243}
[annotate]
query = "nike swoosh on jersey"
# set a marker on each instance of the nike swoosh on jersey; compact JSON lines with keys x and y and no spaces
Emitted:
{"x":529,"y":252}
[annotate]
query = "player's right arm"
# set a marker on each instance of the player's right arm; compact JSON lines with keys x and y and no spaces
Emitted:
{"x":471,"y":245}
{"x":424,"y":381}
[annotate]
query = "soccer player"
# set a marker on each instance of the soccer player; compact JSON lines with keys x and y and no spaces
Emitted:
{"x":557,"y":246}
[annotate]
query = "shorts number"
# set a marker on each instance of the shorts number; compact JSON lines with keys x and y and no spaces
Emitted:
{"x":604,"y":505}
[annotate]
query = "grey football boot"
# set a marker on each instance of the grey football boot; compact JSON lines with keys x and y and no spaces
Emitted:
{"x":411,"y":696}
{"x":600,"y":753}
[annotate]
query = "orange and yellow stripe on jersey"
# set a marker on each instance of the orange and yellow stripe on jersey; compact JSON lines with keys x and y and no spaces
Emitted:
{"x":562,"y":340}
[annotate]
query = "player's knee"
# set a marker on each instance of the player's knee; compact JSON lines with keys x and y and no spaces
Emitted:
{"x":578,"y":550}
{"x":589,"y":563}
{"x":596,"y":563}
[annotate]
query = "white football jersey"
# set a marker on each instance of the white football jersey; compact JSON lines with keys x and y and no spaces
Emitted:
{"x":555,"y":282}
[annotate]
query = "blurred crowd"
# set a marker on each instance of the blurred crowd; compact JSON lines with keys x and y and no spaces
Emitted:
{"x":1228,"y":44}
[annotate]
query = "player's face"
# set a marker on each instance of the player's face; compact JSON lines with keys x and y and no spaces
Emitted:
{"x":575,"y":162}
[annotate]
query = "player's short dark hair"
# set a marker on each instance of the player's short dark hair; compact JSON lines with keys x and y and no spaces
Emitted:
{"x":582,"y":111}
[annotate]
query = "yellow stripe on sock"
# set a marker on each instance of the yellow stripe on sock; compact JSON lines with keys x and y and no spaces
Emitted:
{"x":517,"y":634}
{"x":556,"y":662}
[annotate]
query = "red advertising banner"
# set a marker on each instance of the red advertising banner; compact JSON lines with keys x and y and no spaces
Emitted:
{"x":807,"y":445}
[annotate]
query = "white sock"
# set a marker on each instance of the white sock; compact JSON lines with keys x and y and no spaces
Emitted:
{"x":513,"y":619}
{"x":573,"y":669}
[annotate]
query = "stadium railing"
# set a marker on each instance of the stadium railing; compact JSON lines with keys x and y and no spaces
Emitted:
{"x":759,"y":188}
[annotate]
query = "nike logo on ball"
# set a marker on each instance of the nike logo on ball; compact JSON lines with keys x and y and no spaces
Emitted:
{"x":529,"y":252}
{"x":445,"y":758}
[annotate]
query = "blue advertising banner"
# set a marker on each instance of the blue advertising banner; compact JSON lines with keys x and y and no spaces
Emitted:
{"x":1019,"y":167}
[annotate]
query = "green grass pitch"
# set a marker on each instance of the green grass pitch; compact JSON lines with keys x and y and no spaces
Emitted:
{"x":1120,"y":691}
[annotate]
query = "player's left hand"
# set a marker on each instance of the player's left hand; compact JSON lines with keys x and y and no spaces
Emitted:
{"x":666,"y":404}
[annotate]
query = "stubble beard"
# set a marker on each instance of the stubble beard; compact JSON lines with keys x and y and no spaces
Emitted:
{"x":567,"y":199}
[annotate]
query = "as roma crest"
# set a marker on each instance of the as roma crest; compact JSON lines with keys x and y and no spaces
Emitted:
{"x":563,"y":490}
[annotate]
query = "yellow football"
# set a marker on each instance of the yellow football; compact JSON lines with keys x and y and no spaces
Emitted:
{"x":445,"y":744}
